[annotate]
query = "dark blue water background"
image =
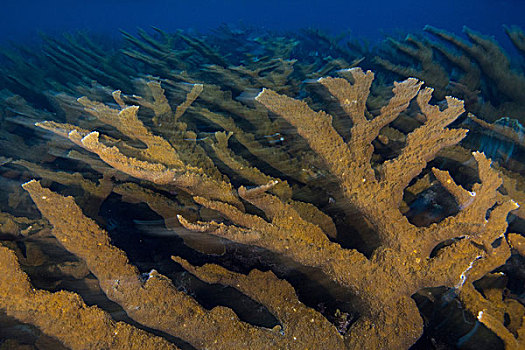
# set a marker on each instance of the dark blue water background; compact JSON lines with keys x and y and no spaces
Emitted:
{"x":22,"y":20}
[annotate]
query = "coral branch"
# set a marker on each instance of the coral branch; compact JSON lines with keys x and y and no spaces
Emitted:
{"x":128,"y":123}
{"x":491,"y":59}
{"x":463,"y":197}
{"x":243,"y":168}
{"x":504,"y":132}
{"x":497,"y":327}
{"x":65,"y":316}
{"x":186,"y":177}
{"x":192,"y":96}
{"x":288,"y":233}
{"x":423,"y":143}
{"x":474,"y":206}
{"x":277,"y":295}
{"x":353,"y":168}
{"x":517,"y":36}
{"x":316,"y":127}
{"x":517,"y":242}
{"x":143,"y":300}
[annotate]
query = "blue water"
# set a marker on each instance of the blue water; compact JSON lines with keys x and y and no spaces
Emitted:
{"x":22,"y":20}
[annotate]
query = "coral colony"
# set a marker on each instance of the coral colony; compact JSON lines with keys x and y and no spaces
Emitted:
{"x":262,"y":162}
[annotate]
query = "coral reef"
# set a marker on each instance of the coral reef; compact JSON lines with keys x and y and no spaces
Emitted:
{"x":478,"y":71}
{"x":260,"y":168}
{"x":481,"y":67}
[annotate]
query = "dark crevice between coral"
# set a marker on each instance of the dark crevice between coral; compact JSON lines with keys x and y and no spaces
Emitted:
{"x":514,"y":275}
{"x":87,"y":287}
{"x":149,"y":252}
{"x":431,"y":206}
{"x":444,"y":244}
{"x":93,"y":296}
{"x":448,"y":325}
{"x":15,"y":334}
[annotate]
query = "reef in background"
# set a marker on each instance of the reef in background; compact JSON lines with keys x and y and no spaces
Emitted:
{"x":260,"y":169}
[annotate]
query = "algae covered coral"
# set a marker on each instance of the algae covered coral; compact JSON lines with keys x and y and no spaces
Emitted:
{"x":171,"y":170}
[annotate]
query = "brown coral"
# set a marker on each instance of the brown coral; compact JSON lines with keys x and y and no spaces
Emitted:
{"x":270,"y":217}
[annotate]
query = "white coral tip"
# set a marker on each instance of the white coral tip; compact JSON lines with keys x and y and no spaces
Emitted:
{"x":259,"y":94}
